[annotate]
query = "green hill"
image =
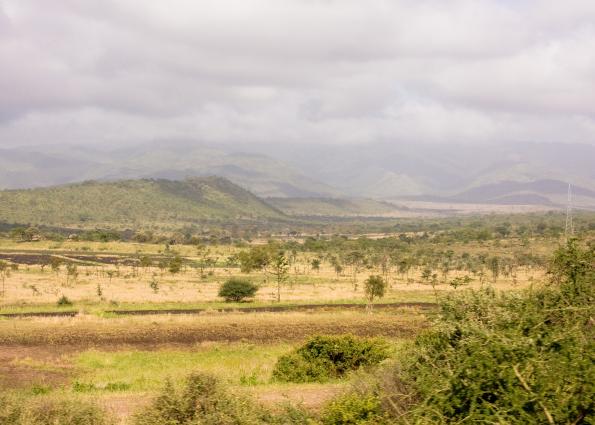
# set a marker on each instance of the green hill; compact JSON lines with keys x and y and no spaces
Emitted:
{"x":130,"y":203}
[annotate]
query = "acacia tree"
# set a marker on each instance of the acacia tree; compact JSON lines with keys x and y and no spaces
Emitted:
{"x":356,"y":260}
{"x":279,"y":268}
{"x":315,"y":264}
{"x":374,"y":286}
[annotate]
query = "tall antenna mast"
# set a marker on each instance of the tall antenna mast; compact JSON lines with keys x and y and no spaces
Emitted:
{"x":569,"y":229}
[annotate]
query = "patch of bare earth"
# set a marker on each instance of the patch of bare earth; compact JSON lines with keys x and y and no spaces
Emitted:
{"x":253,"y":327}
{"x":22,"y":367}
{"x":311,"y":398}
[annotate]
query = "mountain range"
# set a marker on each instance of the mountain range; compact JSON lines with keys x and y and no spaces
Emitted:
{"x":507,"y":173}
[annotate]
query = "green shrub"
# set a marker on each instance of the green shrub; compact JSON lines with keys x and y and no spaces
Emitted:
{"x":64,"y":301}
{"x":514,"y":358}
{"x":49,"y":411}
{"x":72,"y":412}
{"x":354,"y":409}
{"x":202,"y":401}
{"x":237,"y":290}
{"x":325,"y":357}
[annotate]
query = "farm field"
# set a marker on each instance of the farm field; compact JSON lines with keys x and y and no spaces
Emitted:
{"x":110,"y":323}
{"x":122,"y":363}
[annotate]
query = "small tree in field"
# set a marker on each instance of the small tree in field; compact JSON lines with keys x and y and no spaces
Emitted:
{"x":315,"y":264}
{"x":279,"y":269}
{"x":237,"y":290}
{"x":374,"y":286}
{"x":175,"y":264}
{"x":71,"y":274}
{"x":4,"y":273}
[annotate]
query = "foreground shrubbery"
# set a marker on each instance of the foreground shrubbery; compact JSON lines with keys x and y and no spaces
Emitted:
{"x":326,"y":357}
{"x":48,"y":411}
{"x":204,"y":400}
{"x":498,"y":358}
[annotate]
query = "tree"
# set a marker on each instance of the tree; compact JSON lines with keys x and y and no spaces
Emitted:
{"x":403,"y":267}
{"x":460,"y":281}
{"x":175,"y":264}
{"x":204,"y":259}
{"x":374,"y":286}
{"x":237,"y":290}
{"x":315,"y":264}
{"x":257,"y":258}
{"x":4,"y":273}
{"x":356,"y":260}
{"x":146,"y":262}
{"x":426,"y":274}
{"x":494,"y":266}
{"x":280,"y":269}
{"x":154,"y":284}
{"x":71,"y":273}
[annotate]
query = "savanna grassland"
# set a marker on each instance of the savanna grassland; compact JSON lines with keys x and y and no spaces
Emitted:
{"x":107,"y":318}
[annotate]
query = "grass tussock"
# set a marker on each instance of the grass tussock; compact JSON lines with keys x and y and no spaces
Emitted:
{"x":204,"y":400}
{"x":15,"y":410}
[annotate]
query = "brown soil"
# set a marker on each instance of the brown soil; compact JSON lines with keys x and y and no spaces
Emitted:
{"x":310,"y":398}
{"x":232,"y":328}
{"x":24,"y":367}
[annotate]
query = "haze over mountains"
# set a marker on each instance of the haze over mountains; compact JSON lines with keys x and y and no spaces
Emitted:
{"x":502,"y":174}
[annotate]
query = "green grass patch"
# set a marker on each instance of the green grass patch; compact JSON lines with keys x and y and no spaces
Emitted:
{"x":131,"y":370}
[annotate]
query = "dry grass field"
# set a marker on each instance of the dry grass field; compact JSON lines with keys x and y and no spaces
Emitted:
{"x":122,"y":361}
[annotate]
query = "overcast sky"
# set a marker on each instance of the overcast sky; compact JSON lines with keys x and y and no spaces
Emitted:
{"x":297,"y":71}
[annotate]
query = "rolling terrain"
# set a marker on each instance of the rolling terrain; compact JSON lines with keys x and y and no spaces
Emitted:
{"x":134,"y":202}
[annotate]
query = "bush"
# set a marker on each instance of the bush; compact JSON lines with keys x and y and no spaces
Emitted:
{"x":63,"y":301}
{"x":326,"y":357}
{"x":507,"y":358}
{"x":354,"y":409}
{"x":202,"y":401}
{"x":237,"y":290}
{"x":50,"y":411}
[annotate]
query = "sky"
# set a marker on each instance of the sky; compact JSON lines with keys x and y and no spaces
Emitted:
{"x":296,"y":71}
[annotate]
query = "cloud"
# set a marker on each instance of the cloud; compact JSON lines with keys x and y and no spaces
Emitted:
{"x":297,"y":71}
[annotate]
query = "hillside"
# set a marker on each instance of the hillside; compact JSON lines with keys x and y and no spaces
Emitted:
{"x":130,"y":203}
{"x":334,"y":207}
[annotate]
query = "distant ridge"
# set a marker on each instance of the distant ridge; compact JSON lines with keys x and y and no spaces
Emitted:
{"x":495,"y":191}
{"x":546,"y":192}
